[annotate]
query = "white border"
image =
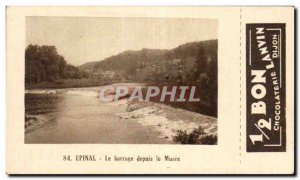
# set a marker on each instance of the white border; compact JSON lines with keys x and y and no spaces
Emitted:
{"x":4,"y":3}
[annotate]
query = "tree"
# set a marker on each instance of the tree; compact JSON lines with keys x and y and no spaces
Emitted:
{"x":43,"y":63}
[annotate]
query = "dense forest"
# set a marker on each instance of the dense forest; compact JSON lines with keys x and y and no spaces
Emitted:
{"x":129,"y":61}
{"x":43,"y":63}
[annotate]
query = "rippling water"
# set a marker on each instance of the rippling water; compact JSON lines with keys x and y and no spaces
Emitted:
{"x":69,"y":118}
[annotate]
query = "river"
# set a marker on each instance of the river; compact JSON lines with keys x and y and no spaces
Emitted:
{"x":62,"y":118}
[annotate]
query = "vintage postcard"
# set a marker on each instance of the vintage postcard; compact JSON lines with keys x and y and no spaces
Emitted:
{"x":150,"y":90}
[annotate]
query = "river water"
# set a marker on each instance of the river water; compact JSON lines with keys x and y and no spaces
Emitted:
{"x":71,"y":118}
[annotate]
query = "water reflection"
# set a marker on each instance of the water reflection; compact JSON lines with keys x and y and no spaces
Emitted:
{"x":64,"y":118}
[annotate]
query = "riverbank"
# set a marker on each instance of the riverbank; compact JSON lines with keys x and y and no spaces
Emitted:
{"x":66,"y":83}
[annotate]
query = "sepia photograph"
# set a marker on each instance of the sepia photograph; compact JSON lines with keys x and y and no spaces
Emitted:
{"x":127,"y":80}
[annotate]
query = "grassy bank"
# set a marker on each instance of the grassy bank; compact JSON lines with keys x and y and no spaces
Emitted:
{"x":66,"y":83}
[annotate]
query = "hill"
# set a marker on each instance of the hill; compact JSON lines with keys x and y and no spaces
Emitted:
{"x":88,"y":66}
{"x":129,"y":61}
{"x":194,"y":63}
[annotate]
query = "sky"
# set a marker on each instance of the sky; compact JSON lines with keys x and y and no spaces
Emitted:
{"x":81,"y":40}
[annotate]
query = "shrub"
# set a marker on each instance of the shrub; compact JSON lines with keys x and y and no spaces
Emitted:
{"x":209,"y":139}
{"x":197,"y":136}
